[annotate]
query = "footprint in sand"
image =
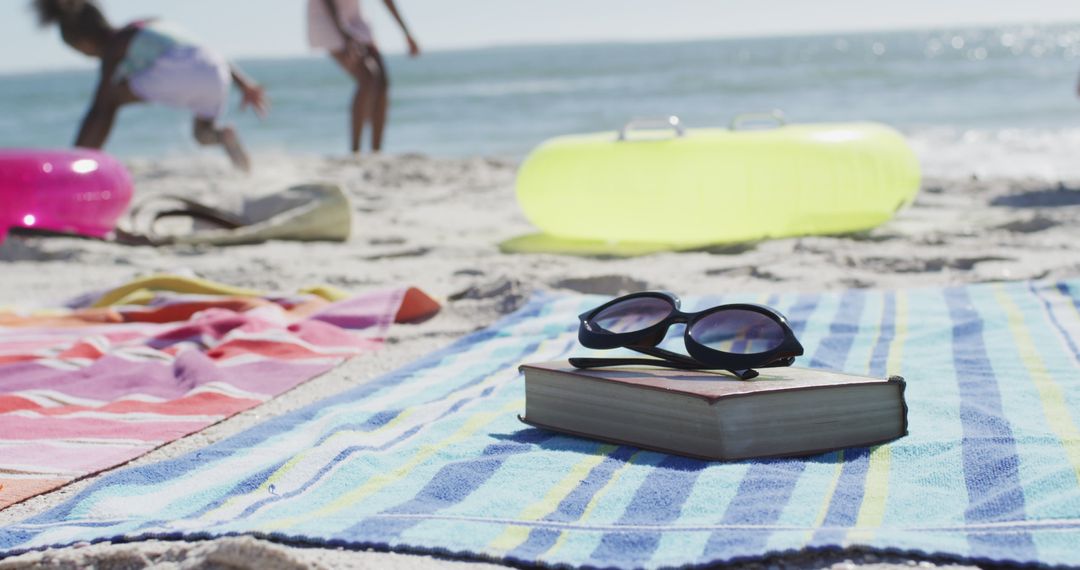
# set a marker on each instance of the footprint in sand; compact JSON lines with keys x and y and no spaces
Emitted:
{"x":1030,"y":226}
{"x":602,"y":285}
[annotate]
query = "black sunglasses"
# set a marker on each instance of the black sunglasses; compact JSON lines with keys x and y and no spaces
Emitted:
{"x":737,"y":337}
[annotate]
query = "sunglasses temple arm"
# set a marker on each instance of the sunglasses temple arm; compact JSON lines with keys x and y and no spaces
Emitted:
{"x":666,"y":355}
{"x":687,"y":361}
{"x":603,"y":362}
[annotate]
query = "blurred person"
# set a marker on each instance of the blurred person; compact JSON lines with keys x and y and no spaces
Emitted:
{"x":339,"y":27}
{"x":147,"y":61}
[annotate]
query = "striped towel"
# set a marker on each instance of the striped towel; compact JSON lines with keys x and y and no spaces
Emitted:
{"x":431,"y":458}
{"x":87,"y":389}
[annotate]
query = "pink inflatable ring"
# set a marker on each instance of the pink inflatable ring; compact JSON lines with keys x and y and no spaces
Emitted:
{"x":62,"y":191}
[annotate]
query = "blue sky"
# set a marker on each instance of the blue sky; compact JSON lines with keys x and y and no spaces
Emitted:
{"x":275,"y":28}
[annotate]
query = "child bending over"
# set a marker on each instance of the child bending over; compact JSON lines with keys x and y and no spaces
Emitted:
{"x":146,"y":61}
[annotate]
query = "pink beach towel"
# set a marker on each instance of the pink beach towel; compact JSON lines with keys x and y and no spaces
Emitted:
{"x":87,"y":389}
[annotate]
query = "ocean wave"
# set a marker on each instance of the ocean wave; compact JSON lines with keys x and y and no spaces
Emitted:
{"x":1049,"y":154}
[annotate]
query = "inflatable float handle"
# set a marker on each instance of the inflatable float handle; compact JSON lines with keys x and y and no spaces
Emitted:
{"x":652,"y":122}
{"x":776,"y":116}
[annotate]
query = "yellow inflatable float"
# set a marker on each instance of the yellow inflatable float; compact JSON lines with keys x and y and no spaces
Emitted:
{"x":689,"y":188}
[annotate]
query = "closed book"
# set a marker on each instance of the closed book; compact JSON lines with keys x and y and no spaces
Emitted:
{"x":712,"y":415}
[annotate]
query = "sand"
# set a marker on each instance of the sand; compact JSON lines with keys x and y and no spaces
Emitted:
{"x":435,"y":224}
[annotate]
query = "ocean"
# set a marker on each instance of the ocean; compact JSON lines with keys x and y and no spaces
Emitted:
{"x":985,"y":101}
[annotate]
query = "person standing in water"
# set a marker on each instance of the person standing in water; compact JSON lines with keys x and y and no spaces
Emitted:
{"x":339,"y":27}
{"x":147,"y":61}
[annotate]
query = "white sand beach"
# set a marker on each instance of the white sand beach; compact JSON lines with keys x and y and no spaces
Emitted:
{"x":436,"y":223}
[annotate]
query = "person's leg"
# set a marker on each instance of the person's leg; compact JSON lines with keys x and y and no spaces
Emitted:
{"x":381,"y":96}
{"x":99,"y":120}
{"x":207,"y":134}
{"x":361,"y":102}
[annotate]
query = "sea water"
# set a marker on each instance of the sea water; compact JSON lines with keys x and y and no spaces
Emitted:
{"x":986,"y":101}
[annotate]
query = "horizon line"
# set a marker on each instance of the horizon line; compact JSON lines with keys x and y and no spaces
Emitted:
{"x":610,"y":41}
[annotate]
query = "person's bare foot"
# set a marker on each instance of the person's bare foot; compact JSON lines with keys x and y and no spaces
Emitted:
{"x":231,"y":141}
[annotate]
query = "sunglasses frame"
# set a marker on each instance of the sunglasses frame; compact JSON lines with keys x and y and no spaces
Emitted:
{"x":701,"y":357}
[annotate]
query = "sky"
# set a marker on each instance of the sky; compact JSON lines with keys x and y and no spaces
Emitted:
{"x":276,"y":28}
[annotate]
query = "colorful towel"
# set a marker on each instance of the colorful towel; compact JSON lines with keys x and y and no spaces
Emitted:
{"x":86,"y":389}
{"x":431,"y":458}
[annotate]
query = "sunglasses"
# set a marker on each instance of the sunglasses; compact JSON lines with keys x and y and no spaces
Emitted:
{"x":736,"y":338}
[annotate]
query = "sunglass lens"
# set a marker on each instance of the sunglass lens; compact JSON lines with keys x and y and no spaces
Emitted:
{"x":738,"y":331}
{"x":632,"y":315}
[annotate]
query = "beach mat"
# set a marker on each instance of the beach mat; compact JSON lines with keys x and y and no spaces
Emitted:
{"x":127,"y":370}
{"x":432,"y":458}
{"x":308,"y":212}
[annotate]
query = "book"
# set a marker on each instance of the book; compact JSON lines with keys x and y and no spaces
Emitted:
{"x":713,"y":415}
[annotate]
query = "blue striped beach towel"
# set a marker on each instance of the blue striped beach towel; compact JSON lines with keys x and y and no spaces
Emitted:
{"x":432,"y":458}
